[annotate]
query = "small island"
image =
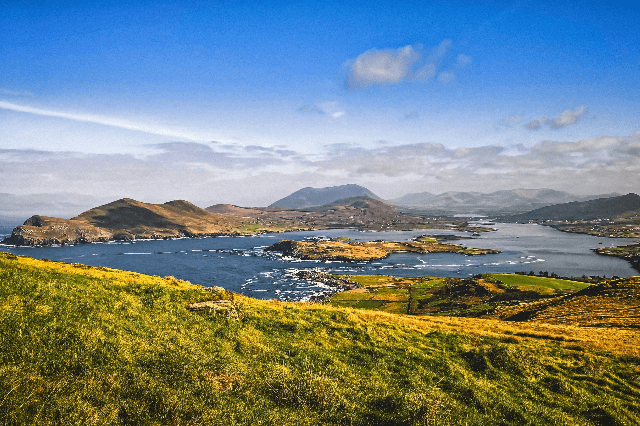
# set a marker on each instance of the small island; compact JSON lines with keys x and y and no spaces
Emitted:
{"x":368,"y":251}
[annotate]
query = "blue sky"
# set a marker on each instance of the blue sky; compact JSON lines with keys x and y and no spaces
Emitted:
{"x":246,"y":102}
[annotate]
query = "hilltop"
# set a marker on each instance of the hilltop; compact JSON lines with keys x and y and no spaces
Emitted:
{"x":308,"y":197}
{"x":101,"y":346}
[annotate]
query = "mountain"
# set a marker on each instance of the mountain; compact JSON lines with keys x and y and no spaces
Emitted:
{"x":586,"y":210}
{"x":498,"y":202}
{"x":125,"y":219}
{"x":308,"y":197}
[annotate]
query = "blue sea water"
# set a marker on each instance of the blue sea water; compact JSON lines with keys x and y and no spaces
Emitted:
{"x":240,"y":264}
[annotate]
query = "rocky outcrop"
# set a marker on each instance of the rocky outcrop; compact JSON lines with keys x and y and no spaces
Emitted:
{"x":337,"y":284}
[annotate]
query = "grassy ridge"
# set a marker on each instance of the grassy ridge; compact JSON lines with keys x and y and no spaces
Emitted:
{"x":82,"y":345}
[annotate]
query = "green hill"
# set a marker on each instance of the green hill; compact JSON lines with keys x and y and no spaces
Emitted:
{"x":96,"y":346}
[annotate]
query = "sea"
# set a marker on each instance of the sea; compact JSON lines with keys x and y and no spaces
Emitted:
{"x":242,"y":265}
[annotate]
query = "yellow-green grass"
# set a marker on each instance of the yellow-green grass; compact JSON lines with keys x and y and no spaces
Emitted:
{"x":96,"y":346}
{"x":517,"y":280}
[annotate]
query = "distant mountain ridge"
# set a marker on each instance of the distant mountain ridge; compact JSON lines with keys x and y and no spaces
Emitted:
{"x":310,"y":197}
{"x":499,"y":202}
{"x":585,"y":210}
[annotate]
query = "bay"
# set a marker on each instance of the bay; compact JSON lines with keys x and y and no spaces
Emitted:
{"x":240,"y":264}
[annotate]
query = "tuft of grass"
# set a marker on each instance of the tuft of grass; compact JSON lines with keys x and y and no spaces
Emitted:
{"x":97,"y":346}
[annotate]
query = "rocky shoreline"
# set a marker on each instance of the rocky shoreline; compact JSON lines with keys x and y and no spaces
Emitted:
{"x":338,"y":284}
{"x":630,"y":253}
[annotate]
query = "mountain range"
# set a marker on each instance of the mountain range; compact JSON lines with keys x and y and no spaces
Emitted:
{"x":600,"y":208}
{"x":505,"y":202}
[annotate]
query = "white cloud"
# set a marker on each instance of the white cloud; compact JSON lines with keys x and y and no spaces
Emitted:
{"x":568,"y":117}
{"x":381,"y":66}
{"x":258,"y":175}
{"x":408,"y":63}
{"x":594,"y":165}
{"x":564,"y":119}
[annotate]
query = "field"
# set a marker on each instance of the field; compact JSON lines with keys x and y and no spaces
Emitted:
{"x":475,"y":297}
{"x":96,"y":346}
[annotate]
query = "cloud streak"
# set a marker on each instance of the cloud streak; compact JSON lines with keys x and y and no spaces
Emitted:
{"x":102,"y":120}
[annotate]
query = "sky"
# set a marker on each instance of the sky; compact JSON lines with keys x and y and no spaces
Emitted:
{"x":245,"y":102}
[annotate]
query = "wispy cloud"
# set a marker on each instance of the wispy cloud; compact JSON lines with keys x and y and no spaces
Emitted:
{"x":463,"y":61}
{"x":537,"y":123}
{"x":446,"y":77}
{"x":8,"y":92}
{"x":102,"y":120}
{"x":330,"y":108}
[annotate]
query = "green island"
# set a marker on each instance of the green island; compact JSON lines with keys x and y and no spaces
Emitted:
{"x":367,"y":251}
{"x":97,"y":346}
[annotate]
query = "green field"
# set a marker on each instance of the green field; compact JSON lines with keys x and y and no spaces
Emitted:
{"x":94,"y":346}
{"x":517,"y":280}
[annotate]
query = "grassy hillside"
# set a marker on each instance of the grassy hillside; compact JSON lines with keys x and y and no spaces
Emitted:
{"x":81,"y":345}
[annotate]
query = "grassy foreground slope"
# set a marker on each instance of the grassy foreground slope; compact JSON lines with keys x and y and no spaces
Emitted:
{"x":82,"y":345}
